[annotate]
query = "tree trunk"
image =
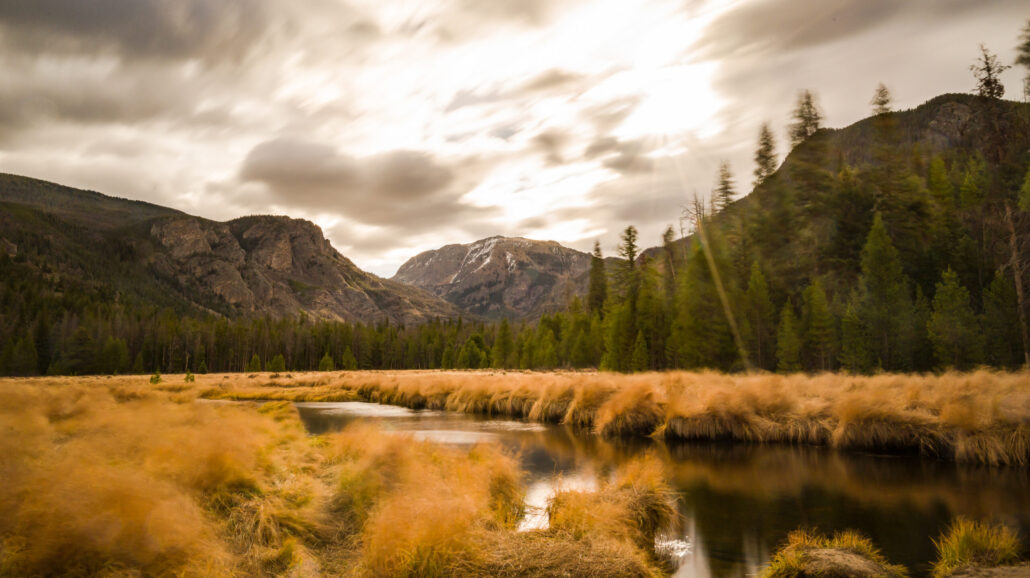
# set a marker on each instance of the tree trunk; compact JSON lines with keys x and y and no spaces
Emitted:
{"x":1015,"y":262}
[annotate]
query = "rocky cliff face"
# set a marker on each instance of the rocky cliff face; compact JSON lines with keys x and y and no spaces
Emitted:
{"x":280,"y":266}
{"x":264,"y":265}
{"x":501,"y":276}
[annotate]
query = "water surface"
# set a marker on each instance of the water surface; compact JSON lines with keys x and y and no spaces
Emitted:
{"x":738,"y":501}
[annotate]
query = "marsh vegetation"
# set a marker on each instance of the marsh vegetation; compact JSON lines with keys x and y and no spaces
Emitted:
{"x":115,"y":475}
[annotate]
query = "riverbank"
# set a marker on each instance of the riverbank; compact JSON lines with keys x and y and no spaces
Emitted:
{"x":979,"y":418}
{"x":115,"y":476}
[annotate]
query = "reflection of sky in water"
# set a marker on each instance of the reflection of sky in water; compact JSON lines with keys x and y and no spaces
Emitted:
{"x":737,"y":501}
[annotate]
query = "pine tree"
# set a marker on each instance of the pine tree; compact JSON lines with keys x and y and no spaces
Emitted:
{"x":546,"y":354}
{"x":277,"y":364}
{"x":326,"y":363}
{"x":137,"y":364}
{"x":765,"y":155}
{"x":23,"y":358}
{"x":788,"y":341}
{"x":761,"y":321}
{"x":884,"y":294}
{"x":640,"y":355}
{"x":669,"y":257}
{"x":939,"y":184}
{"x":855,"y":356}
{"x":953,"y":328}
{"x":1001,"y":327}
{"x":448,"y":360}
{"x":806,"y":118}
{"x":1024,"y":193}
{"x":820,"y":328}
{"x":881,"y":100}
{"x":597,"y":293}
{"x":987,"y":70}
{"x":724,"y":192}
{"x":347,"y":361}
{"x":254,"y":365}
{"x":504,"y":344}
{"x":1023,"y":58}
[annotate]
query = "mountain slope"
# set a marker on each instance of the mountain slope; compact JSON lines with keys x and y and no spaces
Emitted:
{"x":501,"y":276}
{"x":151,"y":255}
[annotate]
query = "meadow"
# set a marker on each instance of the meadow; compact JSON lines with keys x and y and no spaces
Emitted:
{"x":981,"y":417}
{"x":117,"y":476}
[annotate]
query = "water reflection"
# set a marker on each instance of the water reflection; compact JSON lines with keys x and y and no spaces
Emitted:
{"x":738,"y":501}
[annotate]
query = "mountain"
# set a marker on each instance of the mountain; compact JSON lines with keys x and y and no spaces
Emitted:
{"x":501,"y":276}
{"x":151,"y":255}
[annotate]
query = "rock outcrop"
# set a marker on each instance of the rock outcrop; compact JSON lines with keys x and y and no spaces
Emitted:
{"x":501,"y":276}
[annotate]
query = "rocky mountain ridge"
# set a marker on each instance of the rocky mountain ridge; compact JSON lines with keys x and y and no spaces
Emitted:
{"x":251,"y":266}
{"x":501,"y":276}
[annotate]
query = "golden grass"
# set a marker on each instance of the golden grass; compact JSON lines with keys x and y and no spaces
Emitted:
{"x":967,"y":543}
{"x":116,"y":476}
{"x":847,"y":554}
{"x":979,"y":417}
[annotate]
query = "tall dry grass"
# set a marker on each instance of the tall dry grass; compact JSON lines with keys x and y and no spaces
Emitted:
{"x":114,"y":476}
{"x":979,"y":417}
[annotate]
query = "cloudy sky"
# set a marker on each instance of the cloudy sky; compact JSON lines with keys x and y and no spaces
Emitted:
{"x":403,"y":125}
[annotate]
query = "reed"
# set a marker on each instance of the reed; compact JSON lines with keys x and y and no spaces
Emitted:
{"x":979,"y":417}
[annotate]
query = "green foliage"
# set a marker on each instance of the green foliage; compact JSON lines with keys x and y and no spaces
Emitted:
{"x":806,"y":118}
{"x":953,"y":327}
{"x":1000,"y":321}
{"x":639,"y":360}
{"x":765,"y":155}
{"x":156,"y":378}
{"x":597,"y":292}
{"x":970,"y":544}
{"x":883,"y":306}
{"x":819,"y":329}
{"x":788,"y":341}
{"x":254,"y":365}
{"x":347,"y":361}
{"x":760,"y":315}
{"x":277,"y":364}
{"x":724,"y":191}
{"x":1024,"y":193}
{"x":987,"y":70}
{"x":189,"y":378}
{"x":327,"y":363}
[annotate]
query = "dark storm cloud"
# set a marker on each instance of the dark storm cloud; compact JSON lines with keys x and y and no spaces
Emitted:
{"x":402,"y":189}
{"x":212,"y":29}
{"x":31,"y":95}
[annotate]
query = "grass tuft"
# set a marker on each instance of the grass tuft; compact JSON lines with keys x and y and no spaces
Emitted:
{"x":846,"y":554}
{"x":967,"y":543}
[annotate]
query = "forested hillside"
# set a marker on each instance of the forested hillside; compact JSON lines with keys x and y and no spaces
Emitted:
{"x":893,"y":244}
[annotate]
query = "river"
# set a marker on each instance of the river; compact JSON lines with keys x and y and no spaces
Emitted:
{"x":738,"y":501}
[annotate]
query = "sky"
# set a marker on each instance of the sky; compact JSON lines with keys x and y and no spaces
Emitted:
{"x":400,"y":126}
